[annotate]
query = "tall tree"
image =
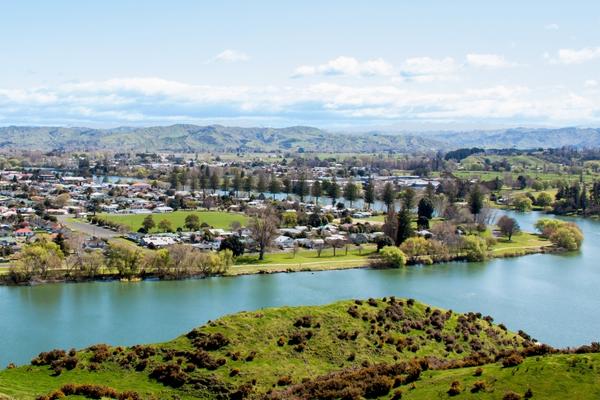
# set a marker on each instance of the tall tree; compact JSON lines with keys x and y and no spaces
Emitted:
{"x":425,"y":208}
{"x":261,"y":185}
{"x":248,"y":184}
{"x":274,"y":185}
{"x":316,"y":191}
{"x":214,"y":181}
{"x":264,"y":229}
{"x":475,"y":200}
{"x":148,"y":223}
{"x":333,"y":190}
{"x":388,"y":195}
{"x":350,"y":192}
{"x":404,"y":229}
{"x":369,"y":193}
{"x":237,"y":183}
{"x":301,"y":187}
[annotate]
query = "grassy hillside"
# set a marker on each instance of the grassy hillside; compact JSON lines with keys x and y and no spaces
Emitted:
{"x":349,"y":349}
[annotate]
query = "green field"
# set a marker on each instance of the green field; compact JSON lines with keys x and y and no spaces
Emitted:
{"x":216,"y":219}
{"x":279,"y":347}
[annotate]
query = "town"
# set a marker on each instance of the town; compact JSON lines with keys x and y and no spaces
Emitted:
{"x":105,"y":215}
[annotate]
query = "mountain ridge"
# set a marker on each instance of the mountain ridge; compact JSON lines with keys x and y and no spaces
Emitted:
{"x":227,"y":139}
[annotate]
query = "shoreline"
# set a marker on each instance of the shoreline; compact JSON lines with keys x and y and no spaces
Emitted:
{"x":277,"y":268}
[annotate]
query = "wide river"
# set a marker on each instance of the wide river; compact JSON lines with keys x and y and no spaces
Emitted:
{"x":555,"y":298}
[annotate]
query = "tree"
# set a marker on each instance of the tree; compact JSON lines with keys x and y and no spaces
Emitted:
{"x":333,"y":190}
{"x":350,"y":191}
{"x":148,"y":223}
{"x":388,"y":195}
{"x":316,"y":191}
{"x":301,"y":188}
{"x":382,"y":241}
{"x":261,"y":185}
{"x":237,"y":183}
{"x":425,"y":208}
{"x":408,"y":199}
{"x":192,"y":222}
{"x":264,"y":229}
{"x":404,"y":228}
{"x":214,"y":181}
{"x":226,"y":183}
{"x":475,"y":200}
{"x":522,"y":203}
{"x":544,"y":200}
{"x":475,"y":248}
{"x":392,"y":257}
{"x":287,"y":185}
{"x":508,"y":226}
{"x":62,"y":244}
{"x":290,"y":218}
{"x":124,"y":258}
{"x":248,"y":184}
{"x":234,"y":244}
{"x":274,"y":185}
{"x":165,"y":226}
{"x":369,"y":193}
{"x":36,"y":260}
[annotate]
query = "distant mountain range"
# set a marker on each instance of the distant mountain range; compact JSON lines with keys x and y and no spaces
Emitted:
{"x":217,"y":138}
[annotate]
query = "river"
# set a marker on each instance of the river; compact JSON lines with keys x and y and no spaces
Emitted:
{"x":555,"y":298}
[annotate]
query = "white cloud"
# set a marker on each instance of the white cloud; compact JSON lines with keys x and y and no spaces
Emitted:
{"x":427,"y":69}
{"x":230,"y":56}
{"x":488,"y":61}
{"x":348,"y":66}
{"x":573,"y":56}
{"x":155,"y":100}
{"x":551,"y":27}
{"x":591,"y":83}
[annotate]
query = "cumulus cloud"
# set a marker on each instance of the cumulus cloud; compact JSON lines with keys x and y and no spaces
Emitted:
{"x":575,"y":56}
{"x":551,"y":27}
{"x":230,"y":56}
{"x":156,"y":100}
{"x":488,"y":61}
{"x":348,"y":66}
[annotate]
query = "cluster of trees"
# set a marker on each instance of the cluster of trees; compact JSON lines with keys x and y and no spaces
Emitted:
{"x":68,"y":259}
{"x":566,"y":235}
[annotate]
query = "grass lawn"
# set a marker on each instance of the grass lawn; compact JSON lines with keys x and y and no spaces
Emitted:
{"x":216,"y":219}
{"x":523,"y":242}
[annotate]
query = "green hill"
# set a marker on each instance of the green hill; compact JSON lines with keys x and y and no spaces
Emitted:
{"x":386,"y":348}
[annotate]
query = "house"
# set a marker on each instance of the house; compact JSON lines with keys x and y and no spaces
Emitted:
{"x":162,"y":209}
{"x":24,"y":232}
{"x":284,"y":242}
{"x":158,"y":241}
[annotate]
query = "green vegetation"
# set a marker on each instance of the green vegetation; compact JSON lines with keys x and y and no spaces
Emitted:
{"x":374,"y":349}
{"x":177,"y":219}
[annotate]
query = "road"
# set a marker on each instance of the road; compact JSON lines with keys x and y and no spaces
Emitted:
{"x":88,"y":229}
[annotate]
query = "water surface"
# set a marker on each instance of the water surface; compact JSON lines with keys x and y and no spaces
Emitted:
{"x":555,"y":298}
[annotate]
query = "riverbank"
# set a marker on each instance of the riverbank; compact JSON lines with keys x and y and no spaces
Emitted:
{"x":522,"y":244}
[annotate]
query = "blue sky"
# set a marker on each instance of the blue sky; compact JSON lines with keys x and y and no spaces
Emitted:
{"x":339,"y":65}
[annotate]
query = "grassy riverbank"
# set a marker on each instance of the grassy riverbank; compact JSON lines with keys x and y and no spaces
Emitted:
{"x":289,"y":352}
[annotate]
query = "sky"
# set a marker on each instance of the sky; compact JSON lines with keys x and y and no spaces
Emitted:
{"x":338,"y":65}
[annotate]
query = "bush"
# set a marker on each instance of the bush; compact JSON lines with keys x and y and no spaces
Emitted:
{"x":455,"y":388}
{"x":568,"y":237}
{"x":392,"y":257}
{"x":475,"y":248}
{"x":512,"y":360}
{"x":510,"y":395}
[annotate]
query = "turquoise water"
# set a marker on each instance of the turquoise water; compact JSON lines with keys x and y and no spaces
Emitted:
{"x":555,"y":298}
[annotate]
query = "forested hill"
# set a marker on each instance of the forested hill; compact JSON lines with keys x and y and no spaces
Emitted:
{"x":217,"y":138}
